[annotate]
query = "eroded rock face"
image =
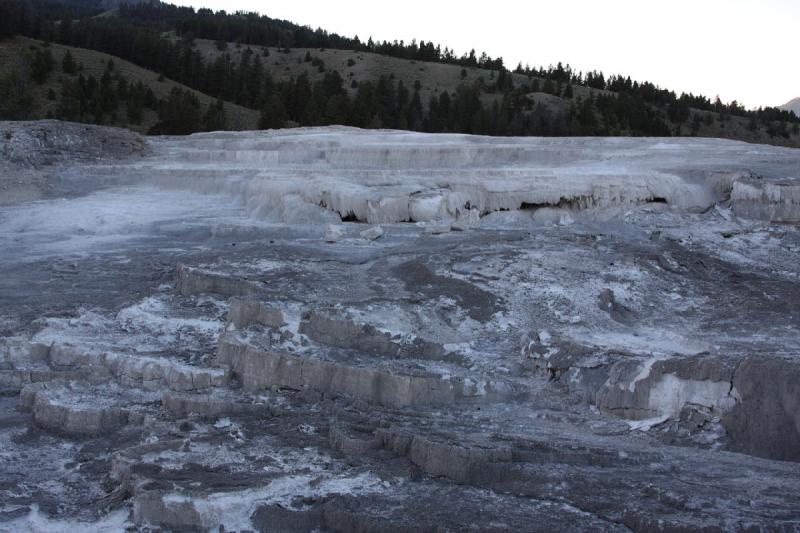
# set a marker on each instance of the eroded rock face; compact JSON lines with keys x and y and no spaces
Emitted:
{"x":777,"y":201}
{"x":545,"y":334}
{"x":243,"y":313}
{"x":260,"y":369}
{"x":329,"y":329}
{"x":75,"y":408}
{"x":46,"y":142}
{"x":768,"y":392}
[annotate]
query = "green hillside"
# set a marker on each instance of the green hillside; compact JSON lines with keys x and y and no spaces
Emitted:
{"x":45,"y":97}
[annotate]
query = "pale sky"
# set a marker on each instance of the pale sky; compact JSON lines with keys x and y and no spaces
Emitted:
{"x":738,"y":49}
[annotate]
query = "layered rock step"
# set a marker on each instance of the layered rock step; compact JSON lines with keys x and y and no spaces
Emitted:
{"x":392,"y":177}
{"x":388,"y":511}
{"x":202,"y":281}
{"x":774,"y":200}
{"x":246,"y":471}
{"x":649,"y":391}
{"x":23,"y":362}
{"x":150,"y":373}
{"x":264,"y":485}
{"x":393,"y":385}
{"x":331,"y":426}
{"x":84,"y":409}
{"x":586,"y":469}
{"x":751,"y":401}
{"x":219,"y":403}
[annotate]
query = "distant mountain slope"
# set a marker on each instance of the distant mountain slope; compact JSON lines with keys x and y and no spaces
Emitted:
{"x":359,"y":66}
{"x":280,"y":75}
{"x":101,"y":4}
{"x":432,"y":79}
{"x":792,"y":105}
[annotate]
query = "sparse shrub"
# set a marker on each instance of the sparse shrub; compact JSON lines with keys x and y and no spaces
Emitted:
{"x":319,"y":63}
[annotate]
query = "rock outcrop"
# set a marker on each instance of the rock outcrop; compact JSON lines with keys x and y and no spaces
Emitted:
{"x":531,"y":335}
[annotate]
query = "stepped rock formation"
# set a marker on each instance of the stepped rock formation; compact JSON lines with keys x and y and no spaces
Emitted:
{"x":339,"y":330}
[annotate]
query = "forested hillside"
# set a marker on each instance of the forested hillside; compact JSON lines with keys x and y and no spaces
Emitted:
{"x":224,"y":70}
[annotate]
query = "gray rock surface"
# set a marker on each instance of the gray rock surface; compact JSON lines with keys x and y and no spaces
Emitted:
{"x":604,"y":339}
{"x":47,"y":142}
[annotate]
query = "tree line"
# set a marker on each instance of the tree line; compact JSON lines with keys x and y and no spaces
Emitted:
{"x":613,"y":105}
{"x":111,"y":99}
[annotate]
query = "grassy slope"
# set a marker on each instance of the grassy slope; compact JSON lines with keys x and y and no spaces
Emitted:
{"x":94,"y":63}
{"x":437,"y":77}
{"x":433,"y":77}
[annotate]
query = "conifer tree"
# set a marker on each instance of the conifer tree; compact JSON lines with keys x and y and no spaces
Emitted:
{"x":214,"y":118}
{"x":68,"y":65}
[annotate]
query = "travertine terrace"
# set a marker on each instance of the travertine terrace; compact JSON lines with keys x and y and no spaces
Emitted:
{"x":343,"y":330}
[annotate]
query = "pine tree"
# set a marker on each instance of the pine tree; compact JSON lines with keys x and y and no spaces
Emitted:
{"x":42,"y":65}
{"x":214,"y":118}
{"x":72,"y":104}
{"x":414,"y":115}
{"x":273,"y":114}
{"x":68,"y":65}
{"x":16,"y":99}
{"x":179,"y":114}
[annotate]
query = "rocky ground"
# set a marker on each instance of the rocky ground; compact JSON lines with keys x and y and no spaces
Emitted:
{"x":339,"y":330}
